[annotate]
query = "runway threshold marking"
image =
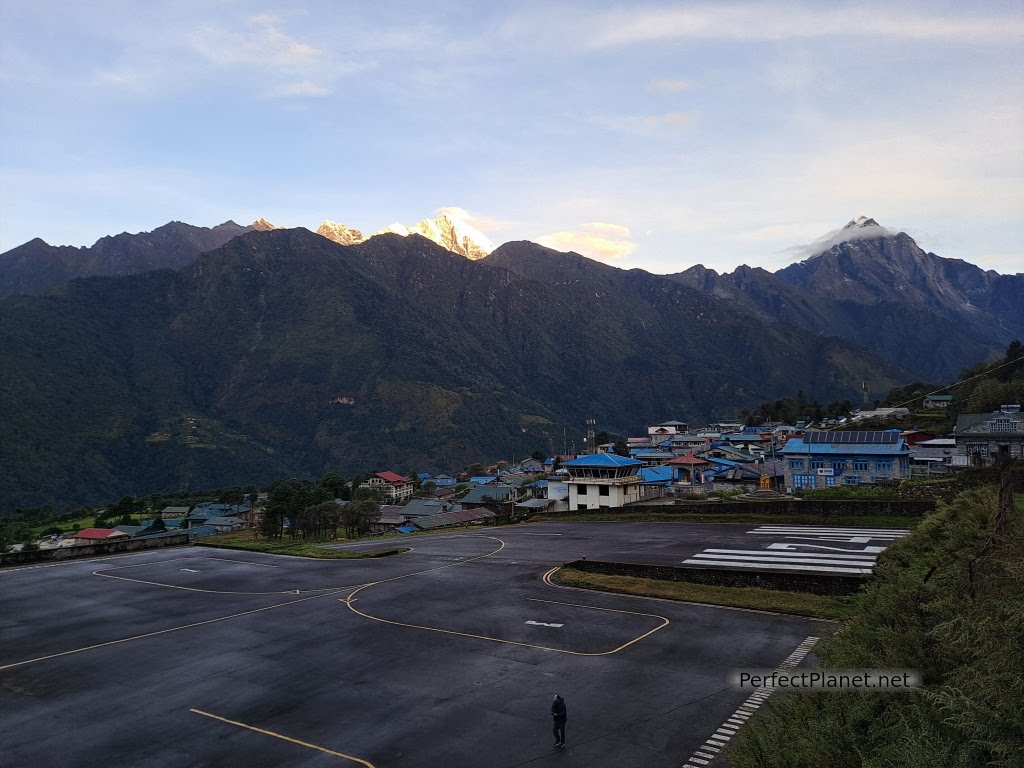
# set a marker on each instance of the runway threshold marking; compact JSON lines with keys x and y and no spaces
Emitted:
{"x":289,"y":739}
{"x":708,"y":751}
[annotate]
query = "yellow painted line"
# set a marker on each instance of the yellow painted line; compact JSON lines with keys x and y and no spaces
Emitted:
{"x":162,"y":631}
{"x":352,"y":598}
{"x":208,"y":621}
{"x":546,"y":578}
{"x":85,"y":561}
{"x":286,"y":738}
{"x":193,"y":589}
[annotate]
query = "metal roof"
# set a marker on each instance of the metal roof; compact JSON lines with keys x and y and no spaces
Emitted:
{"x":885,"y":437}
{"x":535,"y":503}
{"x":795,"y":446}
{"x":602,"y":460}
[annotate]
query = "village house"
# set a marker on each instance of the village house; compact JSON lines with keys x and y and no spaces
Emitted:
{"x":825,"y":459}
{"x":393,"y":487}
{"x":937,"y":402}
{"x":979,"y":436}
{"x":99,"y":536}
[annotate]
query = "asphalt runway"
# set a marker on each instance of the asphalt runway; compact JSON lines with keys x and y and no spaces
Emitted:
{"x":446,"y":655}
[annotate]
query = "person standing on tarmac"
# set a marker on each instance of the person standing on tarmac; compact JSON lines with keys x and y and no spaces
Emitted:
{"x":559,"y":716}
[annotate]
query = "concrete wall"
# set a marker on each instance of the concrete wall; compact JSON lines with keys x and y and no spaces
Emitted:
{"x":819,"y":584}
{"x":91,"y":550}
{"x":823,"y":507}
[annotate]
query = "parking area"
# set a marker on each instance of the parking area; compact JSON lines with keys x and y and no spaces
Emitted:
{"x":447,"y":654}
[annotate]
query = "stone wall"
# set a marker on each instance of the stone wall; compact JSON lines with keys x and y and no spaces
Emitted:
{"x":820,"y":507}
{"x":91,"y":550}
{"x":819,"y":584}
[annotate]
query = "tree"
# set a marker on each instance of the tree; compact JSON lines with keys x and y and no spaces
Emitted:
{"x":359,"y":515}
{"x":158,"y":523}
{"x":539,"y":455}
{"x":601,"y":438}
{"x":335,"y":484}
{"x":621,"y":448}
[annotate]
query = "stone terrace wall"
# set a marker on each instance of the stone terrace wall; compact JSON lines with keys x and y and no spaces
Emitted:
{"x":822,"y":507}
{"x":819,"y":584}
{"x":91,"y":550}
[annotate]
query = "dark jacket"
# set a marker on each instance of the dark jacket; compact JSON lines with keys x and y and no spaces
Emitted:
{"x":558,"y":710}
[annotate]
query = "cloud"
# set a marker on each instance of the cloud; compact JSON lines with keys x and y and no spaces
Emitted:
{"x":263,"y":45}
{"x":671,"y":86}
{"x":300,"y":89}
{"x":844,"y":235}
{"x":482,"y":223}
{"x":770,"y":22}
{"x":644,"y":124}
{"x":597,"y":240}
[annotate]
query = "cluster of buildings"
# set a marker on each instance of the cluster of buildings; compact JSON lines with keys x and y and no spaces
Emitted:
{"x":670,"y":460}
{"x":204,"y":519}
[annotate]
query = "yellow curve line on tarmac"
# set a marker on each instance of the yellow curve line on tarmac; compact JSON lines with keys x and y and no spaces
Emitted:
{"x":546,"y":578}
{"x":352,"y":598}
{"x":207,"y":621}
{"x":197,"y":589}
{"x":162,"y":631}
{"x":285,"y":738}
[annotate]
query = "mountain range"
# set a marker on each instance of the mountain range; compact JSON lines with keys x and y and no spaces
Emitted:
{"x":281,"y":352}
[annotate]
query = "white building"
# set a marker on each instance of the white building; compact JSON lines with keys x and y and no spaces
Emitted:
{"x":603,"y":480}
{"x":394,"y":487}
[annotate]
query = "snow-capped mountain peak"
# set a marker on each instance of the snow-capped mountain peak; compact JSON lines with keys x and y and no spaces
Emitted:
{"x":448,"y":231}
{"x":860,"y":222}
{"x":340,"y":233}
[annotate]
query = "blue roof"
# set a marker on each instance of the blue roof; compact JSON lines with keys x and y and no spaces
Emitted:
{"x":602,"y":460}
{"x":656,"y":474}
{"x":226,"y":520}
{"x":652,"y":453}
{"x":796,"y":445}
{"x":423,"y":475}
{"x":482,"y":479}
{"x":407,"y":528}
{"x":444,"y":482}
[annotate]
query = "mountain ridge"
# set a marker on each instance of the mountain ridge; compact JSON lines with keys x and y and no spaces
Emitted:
{"x":281,"y":353}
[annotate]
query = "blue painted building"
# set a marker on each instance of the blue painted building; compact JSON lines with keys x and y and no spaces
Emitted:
{"x":827,"y":459}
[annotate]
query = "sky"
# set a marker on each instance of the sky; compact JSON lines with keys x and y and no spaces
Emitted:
{"x":644,"y":134}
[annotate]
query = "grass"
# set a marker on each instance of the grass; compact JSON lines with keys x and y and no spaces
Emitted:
{"x":797,"y":603}
{"x":244,"y":540}
{"x":852,"y":521}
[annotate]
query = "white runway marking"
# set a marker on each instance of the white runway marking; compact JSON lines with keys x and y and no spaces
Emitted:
{"x":190,"y":570}
{"x":543,"y":624}
{"x":708,"y":751}
{"x":792,"y":556}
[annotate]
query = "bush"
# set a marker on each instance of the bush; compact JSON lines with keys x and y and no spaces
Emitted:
{"x":942,"y":603}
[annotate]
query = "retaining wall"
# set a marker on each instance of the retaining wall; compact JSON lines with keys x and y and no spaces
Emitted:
{"x":821,"y":507}
{"x":819,"y":584}
{"x":91,"y":550}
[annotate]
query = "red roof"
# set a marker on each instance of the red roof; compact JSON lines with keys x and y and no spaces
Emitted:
{"x":688,"y":460}
{"x":99,"y":533}
{"x":392,"y":478}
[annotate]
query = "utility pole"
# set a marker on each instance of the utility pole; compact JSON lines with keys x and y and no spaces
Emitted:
{"x":591,"y":433}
